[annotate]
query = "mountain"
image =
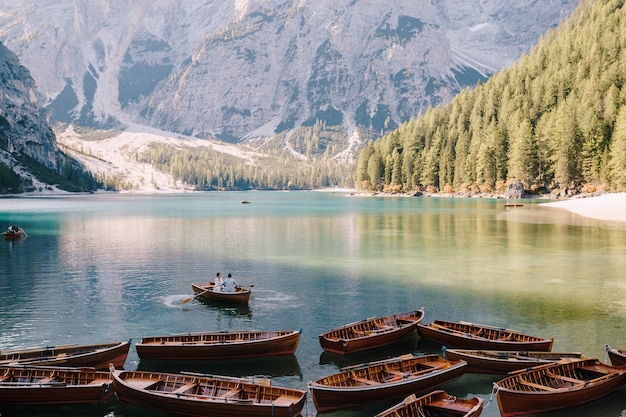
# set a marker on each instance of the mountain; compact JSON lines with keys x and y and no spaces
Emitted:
{"x":555,"y":121}
{"x":237,"y":70}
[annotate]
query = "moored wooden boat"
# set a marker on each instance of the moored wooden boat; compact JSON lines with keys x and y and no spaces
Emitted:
{"x":371,"y":333}
{"x":383,"y":381}
{"x":29,"y":385}
{"x":240,"y":297}
{"x":97,"y":356}
{"x":219,"y":345}
{"x":503,"y":362}
{"x":437,"y":403}
{"x":198,"y":395}
{"x":616,"y":356}
{"x":473,"y":336}
{"x":553,"y":387}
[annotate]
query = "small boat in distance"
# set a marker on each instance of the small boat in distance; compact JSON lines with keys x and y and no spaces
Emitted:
{"x":554,"y":387}
{"x":464,"y":335}
{"x":219,"y":345}
{"x":13,"y":233}
{"x":43,"y":385}
{"x":97,"y":356}
{"x":240,"y":297}
{"x":503,"y":362}
{"x":437,"y":403}
{"x":199,"y":395}
{"x":370,"y":333}
{"x":382,"y":381}
{"x":616,"y":356}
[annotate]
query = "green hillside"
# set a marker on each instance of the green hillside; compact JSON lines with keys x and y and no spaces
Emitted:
{"x":556,"y":120}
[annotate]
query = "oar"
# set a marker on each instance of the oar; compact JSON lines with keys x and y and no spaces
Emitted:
{"x":188,"y":299}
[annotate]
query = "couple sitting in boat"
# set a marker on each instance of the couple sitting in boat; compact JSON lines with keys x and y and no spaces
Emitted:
{"x":225,"y":285}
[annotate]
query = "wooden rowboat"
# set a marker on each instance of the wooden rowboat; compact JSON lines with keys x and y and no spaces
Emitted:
{"x":31,"y":385}
{"x":617,"y":357}
{"x":437,"y":403}
{"x":382,"y":381}
{"x":13,"y":233}
{"x":199,"y":395}
{"x":371,"y":333}
{"x":472,"y":336}
{"x":97,"y":356}
{"x":553,"y":387}
{"x":503,"y":362}
{"x":240,"y":297}
{"x":218,"y":345}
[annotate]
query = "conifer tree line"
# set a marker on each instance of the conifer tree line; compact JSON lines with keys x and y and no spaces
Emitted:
{"x":556,"y":119}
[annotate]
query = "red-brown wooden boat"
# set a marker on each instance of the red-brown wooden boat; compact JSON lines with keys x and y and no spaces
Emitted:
{"x":29,"y":385}
{"x":553,"y":387}
{"x":240,"y":297}
{"x":219,"y":345}
{"x":436,"y":404}
{"x":14,"y":233}
{"x":383,"y":380}
{"x":371,"y":333}
{"x":472,"y":336}
{"x":616,"y":356}
{"x":97,"y":356}
{"x":503,"y":362}
{"x":201,"y":396}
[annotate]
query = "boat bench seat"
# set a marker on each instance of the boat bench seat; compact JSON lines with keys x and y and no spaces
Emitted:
{"x":537,"y":386}
{"x":364,"y":381}
{"x":446,"y":406}
{"x":566,"y":379}
{"x":283,"y":400}
{"x":185,"y":387}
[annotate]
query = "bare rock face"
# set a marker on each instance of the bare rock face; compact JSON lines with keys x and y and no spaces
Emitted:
{"x":254,"y":68}
{"x":24,"y":130}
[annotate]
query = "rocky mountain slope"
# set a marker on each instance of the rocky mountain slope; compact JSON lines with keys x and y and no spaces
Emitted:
{"x":242,"y":69}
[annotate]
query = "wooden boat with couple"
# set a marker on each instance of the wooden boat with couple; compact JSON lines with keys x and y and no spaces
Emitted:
{"x":616,"y":356}
{"x":219,"y":345}
{"x":97,"y":356}
{"x":554,"y":387}
{"x":200,"y":395}
{"x":383,"y":380}
{"x":503,"y":362}
{"x":240,"y":297}
{"x":14,"y":233}
{"x":370,"y":333}
{"x":436,"y":404}
{"x":44,"y":385}
{"x":464,"y":335}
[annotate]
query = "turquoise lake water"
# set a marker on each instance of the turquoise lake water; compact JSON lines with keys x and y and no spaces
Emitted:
{"x":100,"y":268}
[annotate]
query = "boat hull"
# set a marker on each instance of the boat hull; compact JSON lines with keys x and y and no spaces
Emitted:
{"x":462,"y":336}
{"x":346,"y":340}
{"x":222,"y":345}
{"x":436,"y":403}
{"x":239,"y":298}
{"x":503,"y":362}
{"x":97,"y":356}
{"x":534,"y":394}
{"x":70,"y":387}
{"x":202,"y":405}
{"x":335,"y":397}
{"x":617,"y":357}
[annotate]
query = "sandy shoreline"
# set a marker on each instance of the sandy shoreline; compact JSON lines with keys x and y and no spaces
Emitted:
{"x":610,"y":207}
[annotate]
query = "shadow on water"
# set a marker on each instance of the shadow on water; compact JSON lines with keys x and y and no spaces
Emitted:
{"x":270,"y":366}
{"x":234,"y":310}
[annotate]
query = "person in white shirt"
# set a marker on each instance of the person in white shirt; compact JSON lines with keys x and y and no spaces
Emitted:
{"x":219,"y":283}
{"x":230,"y":285}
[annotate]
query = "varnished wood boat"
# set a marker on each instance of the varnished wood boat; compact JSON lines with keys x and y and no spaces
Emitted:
{"x":219,"y":345}
{"x":616,"y":356}
{"x":371,"y":333}
{"x":436,"y":404}
{"x":30,"y":385}
{"x":472,"y":336}
{"x":198,"y":395}
{"x":241,"y":297}
{"x":14,"y":233}
{"x":553,"y":387}
{"x":97,"y":356}
{"x":503,"y":362}
{"x":383,"y":380}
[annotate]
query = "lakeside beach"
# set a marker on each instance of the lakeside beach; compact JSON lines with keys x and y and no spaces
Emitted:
{"x":611,"y":207}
